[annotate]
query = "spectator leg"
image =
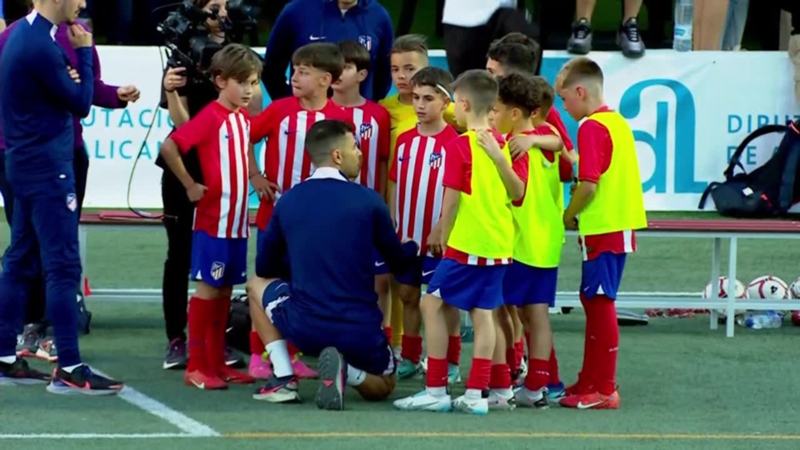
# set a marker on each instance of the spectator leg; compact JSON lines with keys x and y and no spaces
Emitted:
{"x":734,"y":25}
{"x":178,"y":213}
{"x":466,"y":48}
{"x":709,"y":20}
{"x":584,"y":9}
{"x":120,"y":32}
{"x":631,"y":9}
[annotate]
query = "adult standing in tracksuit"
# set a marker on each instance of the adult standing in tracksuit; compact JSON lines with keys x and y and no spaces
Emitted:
{"x":302,"y":22}
{"x":39,"y":99}
{"x":37,"y":337}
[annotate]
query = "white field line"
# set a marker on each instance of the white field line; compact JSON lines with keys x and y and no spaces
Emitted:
{"x":92,"y":436}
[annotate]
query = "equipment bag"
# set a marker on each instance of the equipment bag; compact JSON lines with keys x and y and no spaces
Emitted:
{"x":237,"y":335}
{"x":768,"y":191}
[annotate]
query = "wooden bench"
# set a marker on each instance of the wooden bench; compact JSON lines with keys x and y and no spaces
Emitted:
{"x":716,"y":230}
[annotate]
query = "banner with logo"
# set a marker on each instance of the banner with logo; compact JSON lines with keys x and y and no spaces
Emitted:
{"x":688,"y":112}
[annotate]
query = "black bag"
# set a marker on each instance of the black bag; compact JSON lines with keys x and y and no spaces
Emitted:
{"x":237,"y":335}
{"x":768,"y":191}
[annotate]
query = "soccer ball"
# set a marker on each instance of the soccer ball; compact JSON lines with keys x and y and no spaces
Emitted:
{"x":794,"y":289}
{"x":741,"y":293}
{"x":769,"y":287}
{"x":796,"y":318}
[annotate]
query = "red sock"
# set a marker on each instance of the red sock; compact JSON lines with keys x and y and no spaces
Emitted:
{"x":555,"y":379}
{"x":215,"y":339}
{"x":500,"y":377}
{"x":479,"y":374}
{"x":585,"y":376}
{"x":388,"y":332}
{"x":454,"y":350}
{"x":606,"y":343}
{"x":538,"y":374}
{"x":519,"y":347}
{"x":292,"y":349}
{"x":511,"y":359}
{"x":436,"y":376}
{"x":256,"y":346}
{"x":200,"y":314}
{"x":412,"y":348}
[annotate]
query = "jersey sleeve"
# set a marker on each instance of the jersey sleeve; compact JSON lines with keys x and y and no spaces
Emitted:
{"x":261,"y":125}
{"x":548,"y":130}
{"x":385,"y":132}
{"x":455,"y":166}
{"x":193,"y":132}
{"x":393,"y":168}
{"x":554,"y":119}
{"x":594,"y":142}
{"x":520,"y":167}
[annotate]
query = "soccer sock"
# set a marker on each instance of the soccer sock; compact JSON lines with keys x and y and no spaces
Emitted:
{"x":69,"y":369}
{"x":538,"y":374}
{"x":555,"y":379}
{"x":511,"y":360}
{"x":606,"y":343}
{"x":436,"y":376}
{"x":584,"y":376}
{"x":215,"y":339}
{"x":355,"y":377}
{"x":412,"y":348}
{"x":500,"y":377}
{"x":256,"y":346}
{"x":279,"y":356}
{"x":201,"y":312}
{"x":479,"y":374}
{"x":519,"y":346}
{"x":388,"y":332}
{"x":454,"y":350}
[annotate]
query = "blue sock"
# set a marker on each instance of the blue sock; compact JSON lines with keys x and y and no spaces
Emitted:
{"x":12,"y":300}
{"x":62,"y":309}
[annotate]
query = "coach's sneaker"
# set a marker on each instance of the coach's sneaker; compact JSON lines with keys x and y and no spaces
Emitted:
{"x":556,"y":391}
{"x":425,"y":401}
{"x":407,"y":369}
{"x":630,"y":39}
{"x":278,"y":390}
{"x":301,"y":370}
{"x":532,"y":399}
{"x":260,"y":367}
{"x":204,"y":380}
{"x":477,"y":406}
{"x":233,"y":358}
{"x":594,"y":400}
{"x":175,"y":357}
{"x":501,"y":399}
{"x":82,"y":380}
{"x":580,"y":41}
{"x":330,"y":394}
{"x":19,"y":373}
{"x":47,"y":350}
{"x":28,"y":342}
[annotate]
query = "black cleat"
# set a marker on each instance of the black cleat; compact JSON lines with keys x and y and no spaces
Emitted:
{"x":19,"y":373}
{"x":82,"y":381}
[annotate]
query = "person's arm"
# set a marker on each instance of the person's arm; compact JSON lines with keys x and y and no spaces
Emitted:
{"x":278,"y":56}
{"x":596,"y":146}
{"x":105,"y":96}
{"x":185,"y":138}
{"x":514,"y":186}
{"x":2,"y":18}
{"x":173,"y":97}
{"x":51,"y":69}
{"x":272,"y":250}
{"x":455,"y":181}
{"x":391,"y":190}
{"x":400,"y":257}
{"x":384,"y":142}
{"x":382,"y":66}
{"x":520,"y":167}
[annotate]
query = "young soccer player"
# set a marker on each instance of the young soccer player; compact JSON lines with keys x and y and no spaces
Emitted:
{"x":284,"y":124}
{"x":530,"y":281}
{"x":606,"y":207}
{"x":221,"y":226}
{"x":415,"y":201}
{"x":479,"y":186}
{"x":372,"y":125}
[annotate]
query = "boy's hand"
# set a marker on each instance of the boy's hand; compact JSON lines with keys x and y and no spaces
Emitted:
{"x":570,"y":222}
{"x":519,"y":145}
{"x":489,"y":143}
{"x":128,"y":94}
{"x":79,"y":37}
{"x":175,"y":78}
{"x":573,"y":186}
{"x":435,"y":243}
{"x":74,"y":75}
{"x":264,"y":188}
{"x":195,"y":192}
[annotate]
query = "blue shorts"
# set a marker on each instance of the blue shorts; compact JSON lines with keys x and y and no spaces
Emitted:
{"x":602,"y":275}
{"x":380,"y":267}
{"x":527,"y":285}
{"x":468,"y":287}
{"x":364,"y":347}
{"x":218,"y":262}
{"x":422,"y":273}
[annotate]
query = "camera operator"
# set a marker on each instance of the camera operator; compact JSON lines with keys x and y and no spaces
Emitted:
{"x":184,"y":95}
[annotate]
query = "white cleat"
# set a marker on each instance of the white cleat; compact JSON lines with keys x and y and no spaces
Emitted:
{"x":501,"y":400}
{"x":424,"y":401}
{"x":532,"y":399}
{"x":477,"y":406}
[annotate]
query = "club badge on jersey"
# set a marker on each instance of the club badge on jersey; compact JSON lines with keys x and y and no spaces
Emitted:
{"x":366,"y":41}
{"x":217,"y":270}
{"x":435,"y":160}
{"x":365,"y":130}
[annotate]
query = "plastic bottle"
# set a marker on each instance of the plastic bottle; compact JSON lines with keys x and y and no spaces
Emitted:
{"x":762,"y":320}
{"x":684,"y":15}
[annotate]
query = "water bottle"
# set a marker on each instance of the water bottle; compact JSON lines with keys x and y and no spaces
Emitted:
{"x":684,"y":14}
{"x":762,"y":320}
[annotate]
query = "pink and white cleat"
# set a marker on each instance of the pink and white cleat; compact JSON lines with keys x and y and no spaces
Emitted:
{"x":260,"y":367}
{"x":301,"y":370}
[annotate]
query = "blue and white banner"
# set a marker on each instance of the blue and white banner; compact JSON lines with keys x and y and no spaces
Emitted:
{"x":688,"y":112}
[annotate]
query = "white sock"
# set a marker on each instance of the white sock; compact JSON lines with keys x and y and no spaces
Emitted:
{"x":355,"y":376}
{"x":504,"y":392}
{"x":69,"y":369}
{"x":437,"y":391}
{"x":8,"y":359}
{"x":279,"y":355}
{"x":473,"y":394}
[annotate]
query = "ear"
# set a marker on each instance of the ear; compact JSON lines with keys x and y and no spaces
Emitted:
{"x":446,"y":103}
{"x":362,"y":75}
{"x":336,"y":156}
{"x":327,"y":79}
{"x":220,"y":83}
{"x":467,"y":105}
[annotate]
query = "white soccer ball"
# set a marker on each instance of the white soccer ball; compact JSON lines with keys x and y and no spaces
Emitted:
{"x":741,"y":293}
{"x":769,"y":287}
{"x":794,"y":289}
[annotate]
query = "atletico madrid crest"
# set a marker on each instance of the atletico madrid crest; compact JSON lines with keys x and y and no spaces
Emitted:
{"x":217,"y":270}
{"x":366,"y":41}
{"x":72,"y":202}
{"x":435,"y":161}
{"x":365,"y":130}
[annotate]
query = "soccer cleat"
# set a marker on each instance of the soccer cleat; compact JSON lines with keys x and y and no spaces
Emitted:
{"x":301,"y":370}
{"x":19,"y":373}
{"x":477,"y":406}
{"x":594,"y":400}
{"x":260,"y":367}
{"x":278,"y":390}
{"x":82,"y":380}
{"x":398,"y":351}
{"x":580,"y":41}
{"x":28,"y":343}
{"x":501,"y":399}
{"x":453,"y":374}
{"x":532,"y":399}
{"x":556,"y":391}
{"x":424,"y":401}
{"x":630,"y":39}
{"x":330,"y":394}
{"x":523,"y":368}
{"x":231,"y":375}
{"x":407,"y":369}
{"x":175,"y":357}
{"x":47,"y":350}
{"x":203,"y":380}
{"x":233,"y":358}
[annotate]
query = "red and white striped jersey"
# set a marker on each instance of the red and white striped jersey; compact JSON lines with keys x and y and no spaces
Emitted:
{"x":284,"y":124}
{"x":222,"y":138}
{"x":372,"y":124}
{"x":417,"y":171}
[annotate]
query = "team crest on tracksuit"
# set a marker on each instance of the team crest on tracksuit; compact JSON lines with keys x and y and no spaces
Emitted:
{"x":435,"y":161}
{"x":365,"y":130}
{"x":72,"y":202}
{"x":217,"y":270}
{"x":366,"y":41}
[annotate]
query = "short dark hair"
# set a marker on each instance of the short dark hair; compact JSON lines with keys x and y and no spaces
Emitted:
{"x":322,"y":56}
{"x":528,"y":93}
{"x":543,"y":93}
{"x":514,"y":57}
{"x":515,"y":37}
{"x":433,"y":77}
{"x":324,"y":137}
{"x":355,"y":53}
{"x":411,"y":43}
{"x":480,"y":87}
{"x":235,"y":61}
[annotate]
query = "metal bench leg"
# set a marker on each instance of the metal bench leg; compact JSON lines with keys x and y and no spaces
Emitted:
{"x":82,"y":234}
{"x":731,"y":305}
{"x":716,"y":256}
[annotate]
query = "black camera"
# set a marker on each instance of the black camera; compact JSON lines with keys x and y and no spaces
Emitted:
{"x":186,"y":35}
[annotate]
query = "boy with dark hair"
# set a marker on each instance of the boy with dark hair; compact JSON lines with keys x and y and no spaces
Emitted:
{"x":284,"y":124}
{"x":479,"y":185}
{"x":516,"y":37}
{"x":222,"y":225}
{"x":610,"y":203}
{"x":372,"y":125}
{"x":328,"y":308}
{"x":508,"y":57}
{"x":415,"y":200}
